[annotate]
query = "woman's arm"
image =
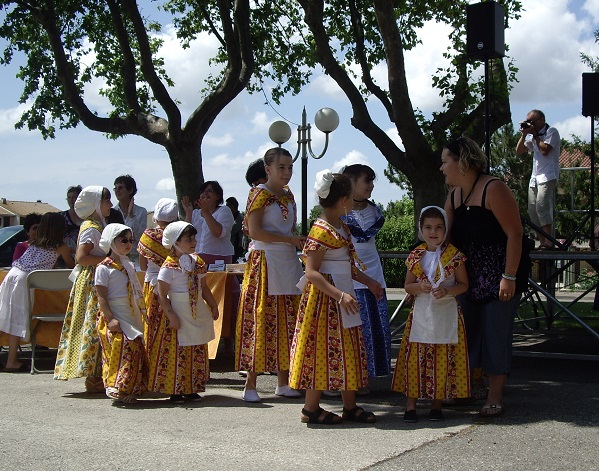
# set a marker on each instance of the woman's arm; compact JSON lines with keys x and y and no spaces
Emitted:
{"x":165,"y":303}
{"x":313,"y":261}
{"x":65,"y":254}
{"x":258,"y":233}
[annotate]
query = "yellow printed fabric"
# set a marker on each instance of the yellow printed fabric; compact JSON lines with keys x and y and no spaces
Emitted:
{"x":79,"y":350}
{"x":150,"y":246}
{"x":265,"y":323}
{"x":260,"y":197}
{"x":173,"y":369}
{"x":124,"y":361}
{"x":324,"y":355}
{"x":433,"y":371}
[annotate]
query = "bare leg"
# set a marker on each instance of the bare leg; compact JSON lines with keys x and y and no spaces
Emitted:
{"x":349,"y":399}
{"x":544,"y":240}
{"x":312,"y":401}
{"x":13,"y":348}
{"x":283,"y":378}
{"x":436,"y":404}
{"x":496,"y":383}
{"x":250,"y":380}
{"x":411,"y":403}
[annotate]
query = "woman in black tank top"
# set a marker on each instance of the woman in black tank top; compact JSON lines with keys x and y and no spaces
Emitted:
{"x":484,"y":224}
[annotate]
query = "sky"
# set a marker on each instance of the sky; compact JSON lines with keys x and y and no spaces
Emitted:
{"x":545,"y":44}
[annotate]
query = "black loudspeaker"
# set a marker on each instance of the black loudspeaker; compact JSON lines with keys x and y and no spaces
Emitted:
{"x":590,"y":94}
{"x":485,"y":38}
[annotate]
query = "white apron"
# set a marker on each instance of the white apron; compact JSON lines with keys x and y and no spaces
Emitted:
{"x":369,"y":256}
{"x":283,"y":267}
{"x":131,"y":325}
{"x":196,"y":331}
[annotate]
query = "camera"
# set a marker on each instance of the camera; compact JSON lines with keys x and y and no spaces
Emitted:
{"x":525,"y":124}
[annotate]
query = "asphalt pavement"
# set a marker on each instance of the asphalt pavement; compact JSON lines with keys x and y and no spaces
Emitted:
{"x":551,"y":423}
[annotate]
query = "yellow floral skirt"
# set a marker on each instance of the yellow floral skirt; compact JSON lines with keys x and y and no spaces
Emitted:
{"x":432,"y":371}
{"x":79,"y":350}
{"x":324,"y":355}
{"x":265,"y":323}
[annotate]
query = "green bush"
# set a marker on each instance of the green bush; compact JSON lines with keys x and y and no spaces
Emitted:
{"x":396,"y":235}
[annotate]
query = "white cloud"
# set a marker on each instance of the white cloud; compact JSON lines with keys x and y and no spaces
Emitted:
{"x":8,"y":118}
{"x":223,"y":140}
{"x":576,"y":126}
{"x":591,"y":7}
{"x":165,"y":184}
{"x":352,"y":157}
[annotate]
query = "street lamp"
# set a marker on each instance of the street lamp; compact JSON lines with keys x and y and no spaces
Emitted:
{"x":326,"y":120}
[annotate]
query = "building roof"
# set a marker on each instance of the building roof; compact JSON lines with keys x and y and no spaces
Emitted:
{"x":23,"y":208}
{"x":574,"y":157}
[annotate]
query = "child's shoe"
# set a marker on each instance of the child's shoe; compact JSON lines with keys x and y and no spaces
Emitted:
{"x":410,"y":416}
{"x":436,"y":415}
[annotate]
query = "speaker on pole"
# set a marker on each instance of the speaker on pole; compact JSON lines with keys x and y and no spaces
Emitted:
{"x":485,"y":38}
{"x":590,"y":94}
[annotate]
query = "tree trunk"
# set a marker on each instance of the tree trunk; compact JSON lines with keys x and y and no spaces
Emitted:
{"x":186,"y":162}
{"x":428,"y":186}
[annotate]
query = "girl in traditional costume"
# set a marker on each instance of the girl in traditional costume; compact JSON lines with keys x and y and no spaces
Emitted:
{"x":42,"y":254}
{"x":269,"y":295}
{"x":152,"y":255}
{"x":328,"y":351}
{"x":120,"y":325}
{"x":182,"y":365}
{"x":79,"y":350}
{"x":433,"y":356}
{"x":365,"y":220}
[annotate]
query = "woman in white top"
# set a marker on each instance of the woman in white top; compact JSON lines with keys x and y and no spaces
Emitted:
{"x":134,"y":216}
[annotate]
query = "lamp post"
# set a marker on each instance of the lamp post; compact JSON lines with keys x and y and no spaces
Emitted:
{"x":326,"y":120}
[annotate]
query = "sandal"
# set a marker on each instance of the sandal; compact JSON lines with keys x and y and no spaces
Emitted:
{"x":314,"y":417}
{"x":94,"y":384}
{"x":491,"y":410}
{"x":116,"y":396}
{"x":358,"y":414}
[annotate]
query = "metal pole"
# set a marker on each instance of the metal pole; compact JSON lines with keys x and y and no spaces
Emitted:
{"x":593,"y":182}
{"x":304,"y":143}
{"x":487,"y":116}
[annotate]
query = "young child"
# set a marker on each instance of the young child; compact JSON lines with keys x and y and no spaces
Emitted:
{"x":79,"y":351}
{"x":42,"y":254}
{"x":120,"y":324}
{"x":184,"y":370}
{"x":30,"y":225}
{"x":152,"y":255}
{"x":328,"y":351}
{"x":433,"y":357}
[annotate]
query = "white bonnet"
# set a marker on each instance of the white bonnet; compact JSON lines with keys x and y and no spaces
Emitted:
{"x":88,"y":201}
{"x":172,"y":232}
{"x":110,"y":232}
{"x":166,"y":210}
{"x":322,"y":185}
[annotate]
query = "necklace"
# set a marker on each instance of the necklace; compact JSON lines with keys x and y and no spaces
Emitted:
{"x":464,"y":202}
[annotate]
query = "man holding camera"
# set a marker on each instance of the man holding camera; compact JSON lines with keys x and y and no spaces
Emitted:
{"x":544,"y":142}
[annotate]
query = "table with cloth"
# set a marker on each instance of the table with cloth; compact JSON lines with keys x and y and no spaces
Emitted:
{"x":56,"y":301}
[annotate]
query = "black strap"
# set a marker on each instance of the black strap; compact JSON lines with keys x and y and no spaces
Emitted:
{"x":482,"y":200}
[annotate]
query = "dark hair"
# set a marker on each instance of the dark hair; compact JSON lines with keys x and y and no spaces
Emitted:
{"x":255,"y":172}
{"x":106,"y":194}
{"x":340,"y":186}
{"x":115,"y":216}
{"x":31,"y":220}
{"x":231,"y":200}
{"x":188,"y":231}
{"x":355,"y":171}
{"x":74,"y":189}
{"x":434,"y":213}
{"x":273,"y":154}
{"x":215,"y":187}
{"x":129,"y":183}
{"x":50,"y":233}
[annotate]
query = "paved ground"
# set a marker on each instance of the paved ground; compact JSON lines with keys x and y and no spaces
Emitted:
{"x":552,"y":423}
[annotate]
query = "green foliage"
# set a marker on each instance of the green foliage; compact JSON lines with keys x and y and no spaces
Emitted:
{"x":592,"y":62}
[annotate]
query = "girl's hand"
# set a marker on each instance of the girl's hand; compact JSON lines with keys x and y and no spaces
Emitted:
{"x":173,"y":321}
{"x":425,"y":287}
{"x":298,"y":241}
{"x":214,"y":310}
{"x":376,"y":289}
{"x":440,"y":292}
{"x":113,"y":325}
{"x":350,"y":304}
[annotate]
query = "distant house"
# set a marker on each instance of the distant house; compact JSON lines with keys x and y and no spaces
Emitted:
{"x":574,"y":157}
{"x":12,"y":213}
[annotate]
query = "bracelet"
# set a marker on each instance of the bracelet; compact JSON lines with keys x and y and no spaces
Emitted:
{"x":341,"y":298}
{"x":508,"y":277}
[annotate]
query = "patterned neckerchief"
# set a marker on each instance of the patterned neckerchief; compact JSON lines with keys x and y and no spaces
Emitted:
{"x":324,"y":236}
{"x":260,"y":197}
{"x":448,"y":252}
{"x":193,"y":277}
{"x":150,"y":246}
{"x":364,"y":235}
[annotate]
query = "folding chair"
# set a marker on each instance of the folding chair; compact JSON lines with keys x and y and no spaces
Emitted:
{"x":48,"y":280}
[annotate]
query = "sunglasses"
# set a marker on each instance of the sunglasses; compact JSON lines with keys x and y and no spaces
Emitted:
{"x":124,"y":240}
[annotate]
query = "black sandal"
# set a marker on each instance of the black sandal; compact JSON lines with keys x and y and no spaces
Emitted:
{"x":314,"y":417}
{"x":358,"y":414}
